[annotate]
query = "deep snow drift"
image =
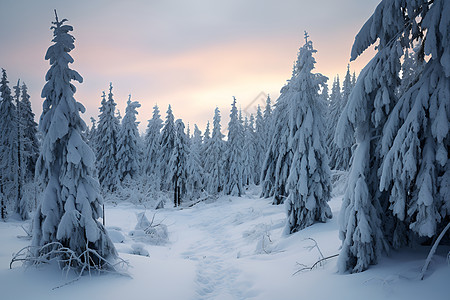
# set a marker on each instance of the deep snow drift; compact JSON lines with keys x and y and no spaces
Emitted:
{"x":230,"y":248}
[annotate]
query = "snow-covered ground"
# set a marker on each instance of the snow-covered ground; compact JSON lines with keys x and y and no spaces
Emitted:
{"x":232,"y":248}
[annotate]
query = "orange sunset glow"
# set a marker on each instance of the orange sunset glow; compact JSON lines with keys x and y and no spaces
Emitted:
{"x":194,"y":55}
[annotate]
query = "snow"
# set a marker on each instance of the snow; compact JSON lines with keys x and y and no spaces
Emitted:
{"x":230,"y":248}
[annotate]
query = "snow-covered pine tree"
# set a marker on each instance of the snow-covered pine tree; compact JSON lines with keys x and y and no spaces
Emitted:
{"x":21,"y":205}
{"x":71,"y":203}
{"x":207,"y":134}
{"x":364,"y":217}
{"x":340,"y":157}
{"x":234,"y":161}
{"x":214,"y":161}
{"x":250,"y":164}
{"x":278,"y":157}
{"x":168,"y":135}
{"x":107,"y":137}
{"x":195,"y":173}
{"x":152,"y":150}
{"x":261,"y":139}
{"x":333,"y":113}
{"x":91,"y":136}
{"x":8,"y":142}
{"x":416,"y":139}
{"x":128,"y":143}
{"x":30,"y":141}
{"x":309,"y":177}
{"x":178,"y":163}
{"x":264,"y":133}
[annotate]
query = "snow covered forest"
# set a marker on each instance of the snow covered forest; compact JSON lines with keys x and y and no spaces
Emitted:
{"x":339,"y":188}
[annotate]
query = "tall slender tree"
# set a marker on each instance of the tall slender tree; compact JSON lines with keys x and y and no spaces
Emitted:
{"x":178,"y":163}
{"x":153,"y":149}
{"x":309,"y":177}
{"x":21,"y":206}
{"x":234,"y":170}
{"x":8,"y":142}
{"x":214,"y":161}
{"x":107,"y":137}
{"x":128,"y":143}
{"x":278,"y":157}
{"x":168,"y":136}
{"x":195,"y":172}
{"x":71,"y":203}
{"x":30,"y":141}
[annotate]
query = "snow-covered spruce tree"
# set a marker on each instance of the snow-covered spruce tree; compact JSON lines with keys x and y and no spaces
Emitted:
{"x":91,"y":135}
{"x":8,"y":142}
{"x":214,"y":161}
{"x":261,"y":138}
{"x":21,"y":205}
{"x":30,"y":141}
{"x":152,"y":150}
{"x":366,"y":225}
{"x":195,"y":173}
{"x":128,"y":143}
{"x":309,"y":177}
{"x":339,"y":157}
{"x":263,"y":127}
{"x":234,"y":160}
{"x":267,"y":121}
{"x":107,"y":138}
{"x":416,"y":139}
{"x":278,"y":157}
{"x":71,"y":203}
{"x":250,"y":164}
{"x":178,"y":163}
{"x":333,"y":114}
{"x":168,"y":135}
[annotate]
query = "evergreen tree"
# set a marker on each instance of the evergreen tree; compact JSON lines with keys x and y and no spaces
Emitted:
{"x":261,"y":139}
{"x":234,"y":166}
{"x":339,"y":157}
{"x":416,"y":136}
{"x":214,"y":162}
{"x":91,"y":136}
{"x":128,"y":143}
{"x":250,"y":164}
{"x":365,"y":219}
{"x":8,"y":142}
{"x":278,"y":157}
{"x":263,"y":128}
{"x":333,"y":113}
{"x":107,"y":137}
{"x":30,"y":141}
{"x":309,"y":177}
{"x":21,"y":206}
{"x":153,"y":149}
{"x":72,"y":202}
{"x":168,"y":136}
{"x":178,"y":163}
{"x":195,"y":173}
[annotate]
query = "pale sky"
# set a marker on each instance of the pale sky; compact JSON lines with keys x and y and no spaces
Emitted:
{"x":195,"y":55}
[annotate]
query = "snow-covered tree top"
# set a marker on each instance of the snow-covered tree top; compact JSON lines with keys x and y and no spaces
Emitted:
{"x":58,"y":87}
